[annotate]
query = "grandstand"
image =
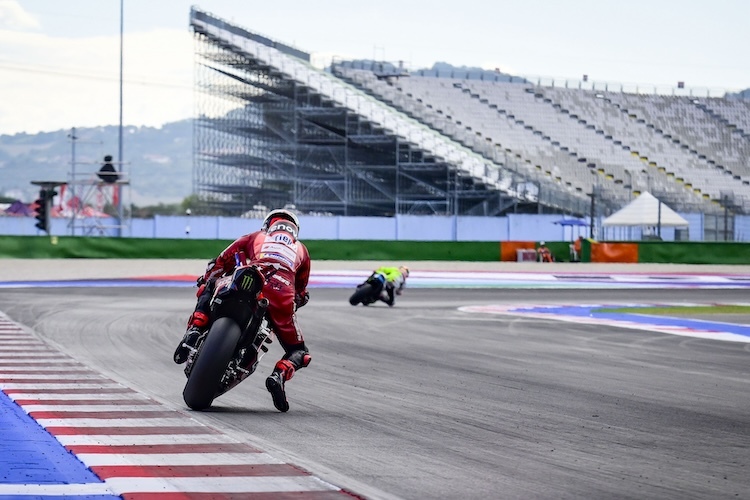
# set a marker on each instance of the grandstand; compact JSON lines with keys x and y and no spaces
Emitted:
{"x":372,"y":138}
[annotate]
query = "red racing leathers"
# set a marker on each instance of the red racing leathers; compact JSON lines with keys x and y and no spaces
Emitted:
{"x":289,"y":282}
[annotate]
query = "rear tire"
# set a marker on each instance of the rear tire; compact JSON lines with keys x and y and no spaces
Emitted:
{"x":362,"y":293}
{"x":217,"y":350}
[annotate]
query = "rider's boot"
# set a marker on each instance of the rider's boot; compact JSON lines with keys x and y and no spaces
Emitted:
{"x":196,"y":326}
{"x":283,"y":371}
{"x":387,"y":296}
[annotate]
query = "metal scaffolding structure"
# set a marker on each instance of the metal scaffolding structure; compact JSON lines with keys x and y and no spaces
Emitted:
{"x":92,"y":205}
{"x":93,"y":199}
{"x":263,"y":138}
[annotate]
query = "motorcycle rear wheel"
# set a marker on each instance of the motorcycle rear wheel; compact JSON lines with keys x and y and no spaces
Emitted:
{"x":362,"y":294}
{"x":216,"y":353}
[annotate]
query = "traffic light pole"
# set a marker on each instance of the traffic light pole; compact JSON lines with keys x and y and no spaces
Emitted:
{"x":47,"y":193}
{"x":73,"y":139}
{"x":97,"y":186}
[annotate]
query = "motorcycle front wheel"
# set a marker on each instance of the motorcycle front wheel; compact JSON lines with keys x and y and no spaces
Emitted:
{"x":361,"y":294}
{"x":216,"y":353}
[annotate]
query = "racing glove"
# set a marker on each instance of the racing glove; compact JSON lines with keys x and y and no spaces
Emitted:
{"x":301,"y":299}
{"x":202,"y":281}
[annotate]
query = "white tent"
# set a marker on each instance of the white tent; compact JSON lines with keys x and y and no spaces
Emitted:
{"x":645,"y":211}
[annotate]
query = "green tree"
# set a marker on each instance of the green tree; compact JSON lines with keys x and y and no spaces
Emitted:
{"x":198,"y":206}
{"x":148,"y":212}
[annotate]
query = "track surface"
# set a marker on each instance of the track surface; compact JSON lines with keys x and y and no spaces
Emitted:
{"x":424,"y":401}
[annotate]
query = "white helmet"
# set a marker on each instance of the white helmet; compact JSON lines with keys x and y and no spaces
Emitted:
{"x":279,"y":213}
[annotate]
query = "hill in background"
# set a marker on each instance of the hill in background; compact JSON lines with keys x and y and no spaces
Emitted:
{"x":159,"y":161}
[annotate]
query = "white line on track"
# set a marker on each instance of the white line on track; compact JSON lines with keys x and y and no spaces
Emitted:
{"x":174,"y":459}
{"x":45,"y":368}
{"x":37,"y":385}
{"x":35,"y":361}
{"x":93,"y":408}
{"x":49,"y":356}
{"x":150,"y":439}
{"x":119,"y":486}
{"x":7,"y":349}
{"x":251,"y":484}
{"x":63,"y":397}
{"x":35,"y":377}
{"x":117,"y":422}
{"x":40,"y":490}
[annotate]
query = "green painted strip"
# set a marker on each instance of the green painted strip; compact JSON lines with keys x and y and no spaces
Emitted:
{"x":693,"y":252}
{"x":473,"y":251}
{"x":404,"y":250}
{"x":678,"y":310}
{"x":147,"y":248}
{"x":106,"y":248}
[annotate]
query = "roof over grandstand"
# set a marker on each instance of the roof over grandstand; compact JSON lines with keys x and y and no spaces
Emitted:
{"x":645,"y":210}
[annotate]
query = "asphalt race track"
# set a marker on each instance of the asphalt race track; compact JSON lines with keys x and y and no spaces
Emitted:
{"x":425,"y":401}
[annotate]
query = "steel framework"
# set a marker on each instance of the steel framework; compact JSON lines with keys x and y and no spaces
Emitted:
{"x":264,"y":139}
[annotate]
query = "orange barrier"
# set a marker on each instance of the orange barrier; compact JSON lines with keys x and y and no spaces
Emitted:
{"x":614,"y":252}
{"x":508,"y":249}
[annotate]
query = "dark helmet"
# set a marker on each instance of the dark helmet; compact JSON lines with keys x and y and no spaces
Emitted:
{"x":279,"y":213}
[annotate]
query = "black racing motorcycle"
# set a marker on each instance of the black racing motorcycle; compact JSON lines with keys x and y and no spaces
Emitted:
{"x":238,"y":337}
{"x":369,"y":291}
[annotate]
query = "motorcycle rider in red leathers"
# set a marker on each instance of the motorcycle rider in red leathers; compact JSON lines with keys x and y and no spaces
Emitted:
{"x":275,"y":245}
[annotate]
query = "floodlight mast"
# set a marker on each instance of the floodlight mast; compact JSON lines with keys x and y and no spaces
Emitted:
{"x":119,"y":140}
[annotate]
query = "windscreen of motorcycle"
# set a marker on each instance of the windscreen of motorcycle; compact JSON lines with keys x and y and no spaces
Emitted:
{"x":280,"y":244}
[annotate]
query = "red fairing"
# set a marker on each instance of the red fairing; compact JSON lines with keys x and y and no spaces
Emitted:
{"x":251,"y":245}
{"x":274,"y":247}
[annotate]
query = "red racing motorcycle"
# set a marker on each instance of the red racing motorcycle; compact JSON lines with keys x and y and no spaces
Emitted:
{"x":238,"y":337}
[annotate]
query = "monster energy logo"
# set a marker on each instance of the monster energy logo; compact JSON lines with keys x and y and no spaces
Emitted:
{"x":247,"y":282}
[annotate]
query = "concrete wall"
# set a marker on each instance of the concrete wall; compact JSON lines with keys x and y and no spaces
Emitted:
{"x":514,"y":227}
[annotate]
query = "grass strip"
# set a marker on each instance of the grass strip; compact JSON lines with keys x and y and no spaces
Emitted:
{"x":677,"y":310}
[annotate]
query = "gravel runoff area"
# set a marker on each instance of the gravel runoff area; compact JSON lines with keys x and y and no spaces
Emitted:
{"x":68,"y":269}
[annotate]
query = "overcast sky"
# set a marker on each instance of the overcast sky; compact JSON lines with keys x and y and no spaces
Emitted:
{"x":59,"y":59}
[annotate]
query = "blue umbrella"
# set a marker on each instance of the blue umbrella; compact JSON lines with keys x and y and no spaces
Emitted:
{"x":571,"y":223}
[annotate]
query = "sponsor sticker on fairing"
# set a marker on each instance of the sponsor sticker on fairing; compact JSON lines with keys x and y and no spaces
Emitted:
{"x":284,"y":254}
